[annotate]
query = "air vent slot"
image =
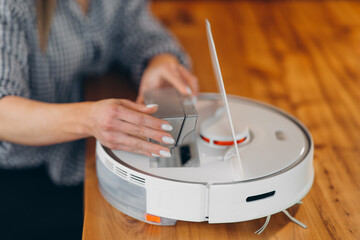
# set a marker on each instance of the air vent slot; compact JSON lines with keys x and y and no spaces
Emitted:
{"x":260,"y":196}
{"x":120,"y":172}
{"x":109,"y":164}
{"x":137,"y":179}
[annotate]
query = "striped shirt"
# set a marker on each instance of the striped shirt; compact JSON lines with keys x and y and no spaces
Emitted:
{"x":113,"y":31}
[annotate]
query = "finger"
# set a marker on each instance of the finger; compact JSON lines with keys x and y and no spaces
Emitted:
{"x":144,"y":132}
{"x":137,"y":151}
{"x":138,"y":145}
{"x":148,"y":109}
{"x":129,"y":149}
{"x":138,"y":118}
{"x":175,"y":80}
{"x":189,"y":78}
{"x":140,"y":98}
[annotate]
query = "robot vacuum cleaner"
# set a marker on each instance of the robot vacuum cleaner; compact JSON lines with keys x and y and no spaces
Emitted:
{"x":233,"y":160}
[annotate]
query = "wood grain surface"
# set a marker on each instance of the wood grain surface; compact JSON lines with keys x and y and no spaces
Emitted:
{"x":301,"y":56}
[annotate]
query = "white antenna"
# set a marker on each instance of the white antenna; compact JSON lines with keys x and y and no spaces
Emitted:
{"x":217,"y":71}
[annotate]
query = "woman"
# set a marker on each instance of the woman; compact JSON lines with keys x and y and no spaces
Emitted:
{"x":46,"y":47}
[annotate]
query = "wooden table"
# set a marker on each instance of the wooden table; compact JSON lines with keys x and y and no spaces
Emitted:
{"x":303,"y":57}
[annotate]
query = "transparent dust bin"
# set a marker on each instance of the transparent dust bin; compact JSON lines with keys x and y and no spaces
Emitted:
{"x":125,"y":196}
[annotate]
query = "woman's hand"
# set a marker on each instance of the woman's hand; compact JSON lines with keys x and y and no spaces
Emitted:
{"x":117,"y":124}
{"x":164,"y":70}
{"x":125,"y":125}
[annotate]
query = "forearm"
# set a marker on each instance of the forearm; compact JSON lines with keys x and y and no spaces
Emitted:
{"x":34,"y":123}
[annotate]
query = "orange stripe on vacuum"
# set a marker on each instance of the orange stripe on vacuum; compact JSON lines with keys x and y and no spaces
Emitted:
{"x":228,"y":143}
{"x":152,"y":218}
{"x":205,"y":139}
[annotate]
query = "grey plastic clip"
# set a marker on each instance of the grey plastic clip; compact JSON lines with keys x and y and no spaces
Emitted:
{"x":294,"y":219}
{"x":260,"y":230}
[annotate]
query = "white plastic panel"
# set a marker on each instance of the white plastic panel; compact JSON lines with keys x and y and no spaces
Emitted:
{"x":227,"y":202}
{"x":177,"y":200}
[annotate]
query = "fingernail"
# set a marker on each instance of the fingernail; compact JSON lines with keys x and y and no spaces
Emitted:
{"x":167,"y":139}
{"x":151,"y":105}
{"x":188,"y":89}
{"x":166,"y":127}
{"x":165,"y":153}
{"x":154,"y":155}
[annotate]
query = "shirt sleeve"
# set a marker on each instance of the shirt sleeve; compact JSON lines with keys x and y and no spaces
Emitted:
{"x":14,"y":77}
{"x":140,"y":37}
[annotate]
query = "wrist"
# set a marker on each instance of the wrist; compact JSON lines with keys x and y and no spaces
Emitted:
{"x":162,"y":58}
{"x":84,"y":119}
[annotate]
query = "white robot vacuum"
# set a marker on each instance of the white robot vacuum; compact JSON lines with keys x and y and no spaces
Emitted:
{"x":233,"y":160}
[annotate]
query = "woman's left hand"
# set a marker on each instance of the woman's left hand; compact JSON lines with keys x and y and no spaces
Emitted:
{"x":164,"y":70}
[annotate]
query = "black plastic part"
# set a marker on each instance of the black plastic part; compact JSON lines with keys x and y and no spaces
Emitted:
{"x":185,"y":154}
{"x":260,"y":196}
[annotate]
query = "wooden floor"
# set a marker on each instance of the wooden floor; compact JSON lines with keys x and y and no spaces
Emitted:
{"x":301,"y":56}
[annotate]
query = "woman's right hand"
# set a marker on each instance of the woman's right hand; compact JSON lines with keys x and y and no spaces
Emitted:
{"x":124,"y":125}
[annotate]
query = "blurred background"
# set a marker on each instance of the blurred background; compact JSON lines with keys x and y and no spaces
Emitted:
{"x":301,"y":56}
